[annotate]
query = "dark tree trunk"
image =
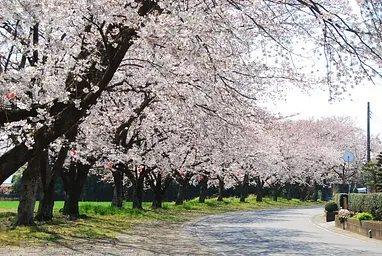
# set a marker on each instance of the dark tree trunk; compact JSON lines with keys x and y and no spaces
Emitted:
{"x":323,"y":191}
{"x":288,"y":191}
{"x":303,"y":193}
{"x":118,"y":189}
{"x":181,"y":191}
{"x":221,"y":188}
{"x":29,"y":181}
{"x":183,"y":183}
{"x":203,"y":189}
{"x":137,"y":195}
{"x":276,"y":191}
{"x":304,"y":190}
{"x":259,"y":194}
{"x":259,"y":189}
{"x":158,"y":188}
{"x":48,"y":180}
{"x":244,"y":189}
{"x":315,"y":194}
{"x":74,"y":182}
{"x":138,"y":187}
{"x":137,"y":179}
{"x":275,"y":195}
{"x":158,"y":196}
{"x":158,"y":192}
{"x":45,"y":206}
{"x":157,"y":202}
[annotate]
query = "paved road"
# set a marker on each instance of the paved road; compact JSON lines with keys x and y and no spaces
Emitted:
{"x":278,"y":232}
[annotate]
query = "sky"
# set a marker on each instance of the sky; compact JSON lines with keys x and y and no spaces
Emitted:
{"x":317,"y":105}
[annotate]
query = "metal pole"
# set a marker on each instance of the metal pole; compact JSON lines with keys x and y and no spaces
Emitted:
{"x":368,"y":139}
{"x":368,"y":134}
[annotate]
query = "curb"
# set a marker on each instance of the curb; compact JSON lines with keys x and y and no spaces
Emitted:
{"x":319,"y":221}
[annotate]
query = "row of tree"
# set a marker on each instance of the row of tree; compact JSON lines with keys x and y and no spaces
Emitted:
{"x":144,"y":92}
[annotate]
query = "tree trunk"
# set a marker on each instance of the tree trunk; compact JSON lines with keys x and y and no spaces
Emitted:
{"x":137,"y":195}
{"x":259,"y":193}
{"x":74,"y":184}
{"x":159,"y":189}
{"x":259,"y":189}
{"x":323,"y":191}
{"x":203,"y":189}
{"x":304,"y":190}
{"x":118,"y":189}
{"x":45,"y":206}
{"x":221,"y":188}
{"x":315,"y":194}
{"x":158,"y":199}
{"x":158,"y":192}
{"x":29,"y":181}
{"x":181,"y":192}
{"x":275,"y":195}
{"x":244,"y":189}
{"x":48,"y":180}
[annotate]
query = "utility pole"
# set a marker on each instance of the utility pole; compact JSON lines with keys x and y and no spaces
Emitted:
{"x":368,"y":135}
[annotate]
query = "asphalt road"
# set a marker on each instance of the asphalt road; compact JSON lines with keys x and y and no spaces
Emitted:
{"x":278,"y":232}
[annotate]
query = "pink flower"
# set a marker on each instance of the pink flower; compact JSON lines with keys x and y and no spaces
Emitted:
{"x":180,"y":172}
{"x":200,"y":178}
{"x":161,"y":172}
{"x":343,"y":212}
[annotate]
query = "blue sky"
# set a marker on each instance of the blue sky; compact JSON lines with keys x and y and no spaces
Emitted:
{"x":9,"y":180}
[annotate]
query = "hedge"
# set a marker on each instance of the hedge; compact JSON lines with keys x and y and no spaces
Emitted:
{"x":371,"y":202}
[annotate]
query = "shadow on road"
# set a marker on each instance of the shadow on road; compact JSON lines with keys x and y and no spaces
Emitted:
{"x":262,"y":233}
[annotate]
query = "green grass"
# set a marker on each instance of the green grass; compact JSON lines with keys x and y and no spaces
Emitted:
{"x":12,"y":205}
{"x":104,"y":221}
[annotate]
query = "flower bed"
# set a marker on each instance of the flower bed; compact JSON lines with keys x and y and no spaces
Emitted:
{"x":361,"y":227}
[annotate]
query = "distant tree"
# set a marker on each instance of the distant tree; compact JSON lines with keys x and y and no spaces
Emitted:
{"x":16,"y":183}
{"x":373,"y":174}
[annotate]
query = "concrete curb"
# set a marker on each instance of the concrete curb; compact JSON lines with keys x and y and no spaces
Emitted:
{"x":320,"y":221}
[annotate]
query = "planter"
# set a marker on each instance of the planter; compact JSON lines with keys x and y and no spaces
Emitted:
{"x":365,"y":227}
{"x":330,"y":216}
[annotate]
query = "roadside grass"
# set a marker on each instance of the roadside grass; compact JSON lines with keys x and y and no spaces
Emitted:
{"x":100,"y":220}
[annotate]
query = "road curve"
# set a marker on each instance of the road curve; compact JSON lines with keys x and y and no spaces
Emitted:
{"x":278,"y":232}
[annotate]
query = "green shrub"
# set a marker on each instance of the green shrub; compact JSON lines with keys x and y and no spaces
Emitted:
{"x":364,"y":216}
{"x":371,"y":203}
{"x":331,"y":207}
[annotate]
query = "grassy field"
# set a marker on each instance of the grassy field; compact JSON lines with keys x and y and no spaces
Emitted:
{"x":101,"y":221}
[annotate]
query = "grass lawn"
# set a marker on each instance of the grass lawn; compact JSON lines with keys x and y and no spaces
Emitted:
{"x":101,"y":221}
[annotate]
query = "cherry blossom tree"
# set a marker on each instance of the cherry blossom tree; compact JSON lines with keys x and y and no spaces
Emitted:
{"x":60,"y":64}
